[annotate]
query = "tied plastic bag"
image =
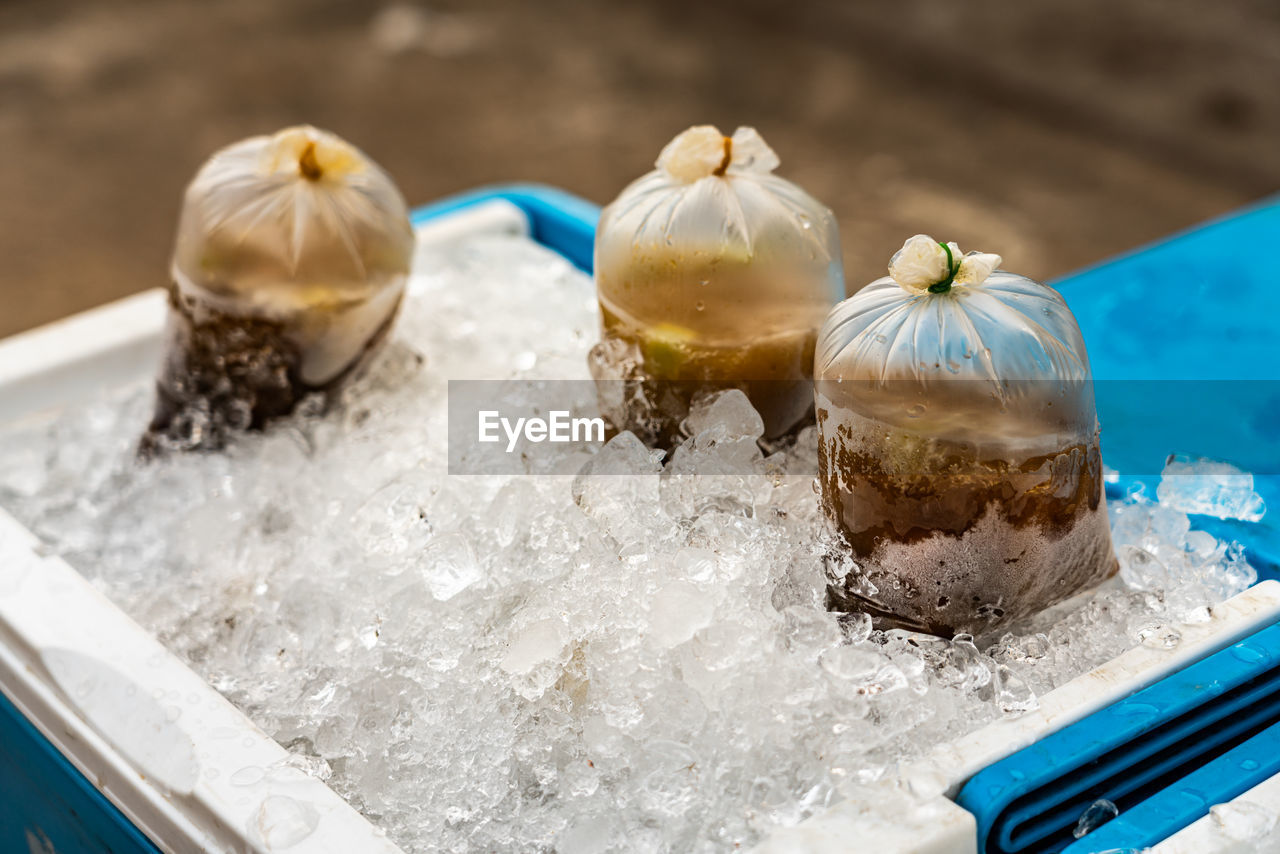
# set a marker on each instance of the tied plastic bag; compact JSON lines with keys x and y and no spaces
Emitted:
{"x":290,"y":261}
{"x":712,"y":273}
{"x":959,"y":452}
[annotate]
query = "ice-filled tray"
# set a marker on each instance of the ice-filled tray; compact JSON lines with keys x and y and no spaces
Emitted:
{"x":509,"y":662}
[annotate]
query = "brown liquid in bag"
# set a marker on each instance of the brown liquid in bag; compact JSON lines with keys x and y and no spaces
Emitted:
{"x":663,"y":365}
{"x":712,"y":274}
{"x":288,"y":269}
{"x":953,"y":541}
{"x":224,"y":374}
{"x":959,"y":446}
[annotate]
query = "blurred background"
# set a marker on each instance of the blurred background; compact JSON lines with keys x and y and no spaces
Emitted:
{"x":1055,"y":132}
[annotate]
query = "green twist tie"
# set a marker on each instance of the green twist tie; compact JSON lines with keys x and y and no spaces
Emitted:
{"x":953,"y":266}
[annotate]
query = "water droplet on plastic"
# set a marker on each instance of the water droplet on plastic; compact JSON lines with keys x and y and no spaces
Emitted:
{"x":1194,"y":796}
{"x":1157,"y":636}
{"x":1249,"y":654}
{"x":248,"y":776}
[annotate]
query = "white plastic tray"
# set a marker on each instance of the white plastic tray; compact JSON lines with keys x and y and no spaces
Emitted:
{"x":195,"y":774}
{"x":180,"y":761}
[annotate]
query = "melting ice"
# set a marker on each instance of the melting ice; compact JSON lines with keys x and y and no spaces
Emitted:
{"x":591,"y":663}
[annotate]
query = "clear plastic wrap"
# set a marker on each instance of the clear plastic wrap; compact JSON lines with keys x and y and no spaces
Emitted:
{"x":959,"y":453}
{"x":712,"y":273}
{"x":290,"y":261}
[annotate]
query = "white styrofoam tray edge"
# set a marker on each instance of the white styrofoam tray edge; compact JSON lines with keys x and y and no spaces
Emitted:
{"x":1208,"y":836}
{"x":184,"y":764}
{"x":932,"y":825}
{"x":179,"y":760}
{"x":54,"y":364}
{"x":1227,"y":623}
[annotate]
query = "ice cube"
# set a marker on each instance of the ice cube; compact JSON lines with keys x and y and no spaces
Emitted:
{"x":616,"y":488}
{"x":1155,"y":634}
{"x":537,"y":643}
{"x":867,"y":670}
{"x":723,"y":415}
{"x":1243,"y":820}
{"x":809,"y":631}
{"x":1142,"y":570}
{"x":282,"y":821}
{"x":856,"y":626}
{"x":961,"y":665}
{"x":1209,"y":487}
{"x":1099,"y":813}
{"x":1014,"y":696}
{"x":677,"y":612}
{"x":449,"y":566}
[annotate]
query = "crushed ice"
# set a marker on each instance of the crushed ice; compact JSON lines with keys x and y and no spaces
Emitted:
{"x":592,"y":663}
{"x":1210,"y":487}
{"x":1245,"y":821}
{"x":1099,"y":813}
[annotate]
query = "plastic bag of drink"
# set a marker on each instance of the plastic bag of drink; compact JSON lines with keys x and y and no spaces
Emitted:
{"x":959,"y":454}
{"x":290,"y":261}
{"x":712,"y":273}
